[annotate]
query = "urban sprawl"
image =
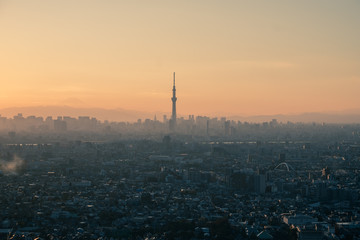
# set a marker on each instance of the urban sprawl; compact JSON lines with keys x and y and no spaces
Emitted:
{"x":206,"y":178}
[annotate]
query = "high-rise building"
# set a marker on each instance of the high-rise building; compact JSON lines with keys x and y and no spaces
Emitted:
{"x":173,"y":115}
{"x":207,"y":127}
{"x":227,"y":128}
{"x":259,"y":183}
{"x":60,"y":125}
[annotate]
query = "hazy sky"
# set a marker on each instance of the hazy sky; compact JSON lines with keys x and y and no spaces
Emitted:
{"x":232,"y":57}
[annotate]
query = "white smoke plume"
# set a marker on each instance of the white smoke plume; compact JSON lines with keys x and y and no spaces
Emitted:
{"x":11,"y":167}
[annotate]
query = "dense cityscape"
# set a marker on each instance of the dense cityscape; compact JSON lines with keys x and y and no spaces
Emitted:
{"x":79,"y":178}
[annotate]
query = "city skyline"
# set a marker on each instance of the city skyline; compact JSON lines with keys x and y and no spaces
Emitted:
{"x":239,"y":58}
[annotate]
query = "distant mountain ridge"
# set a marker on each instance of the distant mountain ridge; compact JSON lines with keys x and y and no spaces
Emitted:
{"x":123,"y":115}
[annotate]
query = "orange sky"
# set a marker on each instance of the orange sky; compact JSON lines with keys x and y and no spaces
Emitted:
{"x":230,"y":57}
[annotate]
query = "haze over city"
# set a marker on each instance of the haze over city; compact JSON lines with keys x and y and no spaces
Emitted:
{"x":232,"y":58}
{"x":179,"y":120}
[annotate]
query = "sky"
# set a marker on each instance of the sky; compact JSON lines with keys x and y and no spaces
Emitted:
{"x":230,"y":57}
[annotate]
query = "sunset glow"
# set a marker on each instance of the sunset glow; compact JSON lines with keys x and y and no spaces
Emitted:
{"x":230,"y":57}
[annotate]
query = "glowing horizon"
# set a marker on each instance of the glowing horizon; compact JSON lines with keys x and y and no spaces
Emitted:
{"x":237,"y":57}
